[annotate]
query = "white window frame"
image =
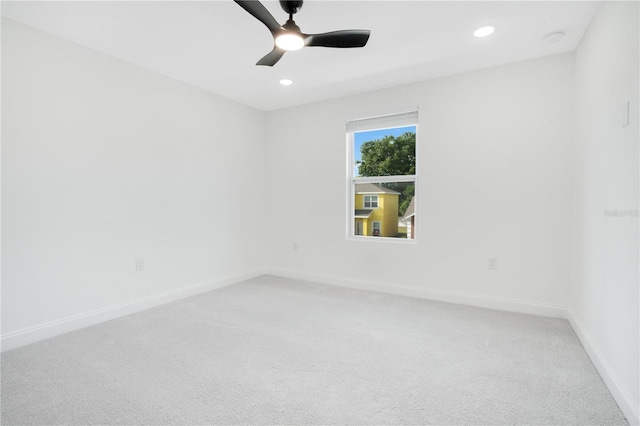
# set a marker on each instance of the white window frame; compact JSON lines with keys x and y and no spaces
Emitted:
{"x":371,"y":201}
{"x":408,"y":117}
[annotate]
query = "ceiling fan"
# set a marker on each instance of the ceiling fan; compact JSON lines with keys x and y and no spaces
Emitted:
{"x":289,"y":37}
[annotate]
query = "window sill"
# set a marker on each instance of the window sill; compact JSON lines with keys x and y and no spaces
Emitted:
{"x":379,"y":240}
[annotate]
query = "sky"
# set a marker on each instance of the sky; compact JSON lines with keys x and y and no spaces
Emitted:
{"x":362,"y":137}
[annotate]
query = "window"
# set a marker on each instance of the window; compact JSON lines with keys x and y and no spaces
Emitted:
{"x":377,"y":228}
{"x":370,"y":201}
{"x":382,"y":177}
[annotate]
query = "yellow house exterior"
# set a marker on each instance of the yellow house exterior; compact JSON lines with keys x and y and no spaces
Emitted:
{"x":410,"y":217}
{"x":376,"y":211}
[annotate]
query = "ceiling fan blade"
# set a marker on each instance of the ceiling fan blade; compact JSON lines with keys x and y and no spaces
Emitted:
{"x":261,"y":13}
{"x":344,"y":38}
{"x":272,"y":57}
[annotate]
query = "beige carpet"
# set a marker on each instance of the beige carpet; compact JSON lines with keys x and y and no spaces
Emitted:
{"x":278,"y":351}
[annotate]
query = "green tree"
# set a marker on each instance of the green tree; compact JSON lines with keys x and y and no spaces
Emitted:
{"x":391,"y":156}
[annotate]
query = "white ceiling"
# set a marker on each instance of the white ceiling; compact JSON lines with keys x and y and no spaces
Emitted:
{"x":214,"y":45}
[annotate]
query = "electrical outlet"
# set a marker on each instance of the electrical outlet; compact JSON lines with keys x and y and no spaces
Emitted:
{"x":493,"y":263}
{"x":139,"y":265}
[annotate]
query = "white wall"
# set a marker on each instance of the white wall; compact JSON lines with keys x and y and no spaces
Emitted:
{"x":494,"y":158}
{"x":604,"y":296}
{"x":104,"y":162}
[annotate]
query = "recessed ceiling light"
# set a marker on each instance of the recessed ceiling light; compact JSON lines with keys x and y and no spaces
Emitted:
{"x":484,"y":31}
{"x":286,"y":82}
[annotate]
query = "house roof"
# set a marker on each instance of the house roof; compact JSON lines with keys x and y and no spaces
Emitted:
{"x":363,"y":213}
{"x":411,"y":209}
{"x":372,"y":188}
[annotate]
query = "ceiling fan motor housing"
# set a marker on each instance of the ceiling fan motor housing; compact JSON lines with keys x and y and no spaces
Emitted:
{"x":291,"y":6}
{"x":291,"y":26}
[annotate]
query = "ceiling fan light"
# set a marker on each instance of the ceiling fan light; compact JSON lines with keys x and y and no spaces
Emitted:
{"x":289,"y":41}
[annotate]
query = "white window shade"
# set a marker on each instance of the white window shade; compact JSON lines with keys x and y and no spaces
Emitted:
{"x":409,"y":118}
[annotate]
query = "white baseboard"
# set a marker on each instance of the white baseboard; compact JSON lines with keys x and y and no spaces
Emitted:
{"x":502,"y":304}
{"x":622,"y":396}
{"x":65,"y":325}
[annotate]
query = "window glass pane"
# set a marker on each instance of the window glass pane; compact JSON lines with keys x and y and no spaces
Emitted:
{"x":386,"y":152}
{"x":387,"y":213}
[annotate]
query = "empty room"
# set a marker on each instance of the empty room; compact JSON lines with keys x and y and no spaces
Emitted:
{"x":320,"y":212}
